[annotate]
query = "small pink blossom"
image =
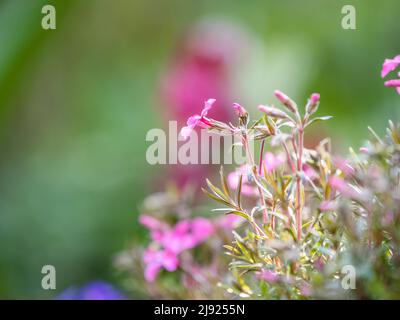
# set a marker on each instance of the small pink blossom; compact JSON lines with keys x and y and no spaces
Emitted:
{"x":390,"y":65}
{"x":151,"y":223}
{"x":198,"y":120}
{"x":169,"y":242}
{"x":155,"y":260}
{"x":272,"y":161}
{"x":364,"y":150}
{"x":234,"y":177}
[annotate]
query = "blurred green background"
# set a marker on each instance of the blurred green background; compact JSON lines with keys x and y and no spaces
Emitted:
{"x":76,"y":103}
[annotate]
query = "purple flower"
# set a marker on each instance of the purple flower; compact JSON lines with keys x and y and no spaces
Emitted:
{"x":98,"y":290}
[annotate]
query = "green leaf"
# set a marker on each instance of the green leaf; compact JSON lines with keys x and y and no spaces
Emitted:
{"x":317,"y":119}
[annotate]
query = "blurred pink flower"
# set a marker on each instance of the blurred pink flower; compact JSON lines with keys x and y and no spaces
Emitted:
{"x":198,"y":120}
{"x":234,"y":177}
{"x":309,"y":172}
{"x":170,"y":242}
{"x":272,"y":161}
{"x":343,"y":165}
{"x":155,"y":260}
{"x":229,"y":221}
{"x":343,"y":187}
{"x":390,"y":65}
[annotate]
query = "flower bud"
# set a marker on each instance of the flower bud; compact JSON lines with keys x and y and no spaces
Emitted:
{"x":312,"y":105}
{"x":240,"y":111}
{"x":289,"y":103}
{"x":273,"y":112}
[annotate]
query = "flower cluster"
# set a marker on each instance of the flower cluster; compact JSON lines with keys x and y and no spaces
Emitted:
{"x":170,"y":264}
{"x":293,"y":218}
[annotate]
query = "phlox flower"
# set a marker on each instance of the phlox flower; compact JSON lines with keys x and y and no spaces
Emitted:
{"x":155,"y":260}
{"x":234,"y":177}
{"x":169,"y":242}
{"x":198,"y":120}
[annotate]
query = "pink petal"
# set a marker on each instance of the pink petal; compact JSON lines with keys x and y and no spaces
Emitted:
{"x":202,"y":229}
{"x":393,"y":83}
{"x":170,"y":261}
{"x":186,"y":132}
{"x":151,"y":271}
{"x":193,"y":121}
{"x":240,"y":111}
{"x":150,"y":222}
{"x":272,"y":162}
{"x":207,"y":106}
{"x":389,"y":65}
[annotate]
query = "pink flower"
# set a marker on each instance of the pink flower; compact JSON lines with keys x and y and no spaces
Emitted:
{"x":198,"y":120}
{"x":268,"y":275}
{"x":155,"y":260}
{"x":364,"y":150}
{"x":234,"y":177}
{"x":170,"y":242}
{"x":151,"y":223}
{"x":390,"y":65}
{"x":202,"y":229}
{"x":272,"y":161}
